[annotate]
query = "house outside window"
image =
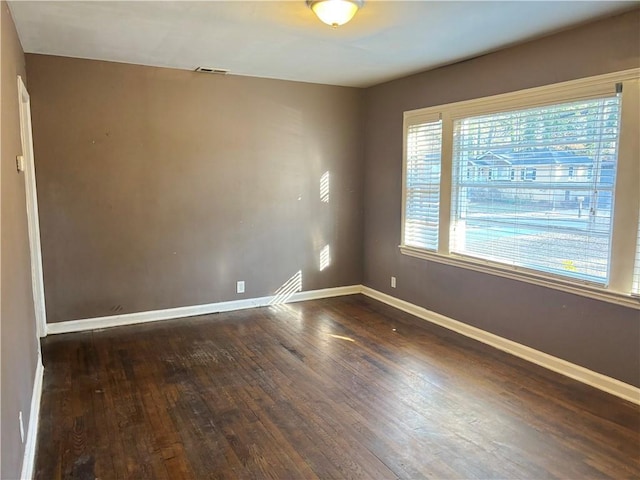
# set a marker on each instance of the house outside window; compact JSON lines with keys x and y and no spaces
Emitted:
{"x":543,"y":207}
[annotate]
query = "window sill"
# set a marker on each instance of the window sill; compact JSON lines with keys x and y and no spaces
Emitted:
{"x":582,"y":289}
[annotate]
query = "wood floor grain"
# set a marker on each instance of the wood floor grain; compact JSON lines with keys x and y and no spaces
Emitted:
{"x":338,"y":388}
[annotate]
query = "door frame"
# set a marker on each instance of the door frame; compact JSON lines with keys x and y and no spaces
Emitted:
{"x":33,"y":219}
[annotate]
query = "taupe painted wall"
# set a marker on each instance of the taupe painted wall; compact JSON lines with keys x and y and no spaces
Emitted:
{"x":161,"y":188}
{"x":19,"y":344}
{"x":600,"y":336}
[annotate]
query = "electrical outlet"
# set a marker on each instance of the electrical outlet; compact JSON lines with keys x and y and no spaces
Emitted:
{"x":240,"y":286}
{"x":393,"y":282}
{"x":21,"y":427}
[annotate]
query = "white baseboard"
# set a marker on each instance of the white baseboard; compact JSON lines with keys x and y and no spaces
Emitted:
{"x":584,"y":375}
{"x":157,"y":315}
{"x":28,"y":461}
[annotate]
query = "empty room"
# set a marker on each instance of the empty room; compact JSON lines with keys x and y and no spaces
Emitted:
{"x":320,"y":239}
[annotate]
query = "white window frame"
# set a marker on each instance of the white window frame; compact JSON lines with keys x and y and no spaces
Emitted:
{"x":626,"y":189}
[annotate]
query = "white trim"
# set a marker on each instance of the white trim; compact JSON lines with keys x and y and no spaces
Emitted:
{"x":558,"y":365}
{"x":626,"y":201}
{"x":28,"y":461}
{"x":190,"y":311}
{"x":535,"y":278}
{"x":33,"y":222}
{"x":571,"y":370}
{"x":619,"y":289}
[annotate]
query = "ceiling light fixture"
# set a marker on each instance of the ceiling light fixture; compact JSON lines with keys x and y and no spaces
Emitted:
{"x":335,"y":12}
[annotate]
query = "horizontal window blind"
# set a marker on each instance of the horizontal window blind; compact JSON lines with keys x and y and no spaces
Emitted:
{"x":534,"y":188}
{"x":422,"y":207}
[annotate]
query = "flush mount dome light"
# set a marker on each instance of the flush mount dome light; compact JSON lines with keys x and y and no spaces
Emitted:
{"x":335,"y":12}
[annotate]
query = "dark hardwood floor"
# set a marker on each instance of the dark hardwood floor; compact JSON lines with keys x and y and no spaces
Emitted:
{"x":337,"y":388}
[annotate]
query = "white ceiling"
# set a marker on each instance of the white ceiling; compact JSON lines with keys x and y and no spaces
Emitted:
{"x":284,"y":39}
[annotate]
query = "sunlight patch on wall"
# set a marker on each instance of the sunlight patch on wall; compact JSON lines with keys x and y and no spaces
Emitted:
{"x":324,"y":187}
{"x":288,"y":288}
{"x":325,"y":257}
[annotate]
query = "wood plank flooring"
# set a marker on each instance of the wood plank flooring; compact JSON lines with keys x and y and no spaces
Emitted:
{"x":337,"y":388}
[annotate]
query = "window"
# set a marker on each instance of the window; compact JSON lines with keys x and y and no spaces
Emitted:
{"x":531,"y":225}
{"x":546,"y":207}
{"x":530,"y":174}
{"x":422,"y":205}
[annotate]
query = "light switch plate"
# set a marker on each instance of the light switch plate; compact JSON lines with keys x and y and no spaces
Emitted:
{"x":20,"y":163}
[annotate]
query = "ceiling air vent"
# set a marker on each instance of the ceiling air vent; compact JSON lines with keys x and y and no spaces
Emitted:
{"x":219,"y":71}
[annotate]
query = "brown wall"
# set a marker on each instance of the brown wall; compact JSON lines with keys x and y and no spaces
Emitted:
{"x":161,"y":188}
{"x":600,"y":336}
{"x":19,"y":345}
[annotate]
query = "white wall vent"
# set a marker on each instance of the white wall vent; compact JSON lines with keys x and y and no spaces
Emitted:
{"x":219,"y":71}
